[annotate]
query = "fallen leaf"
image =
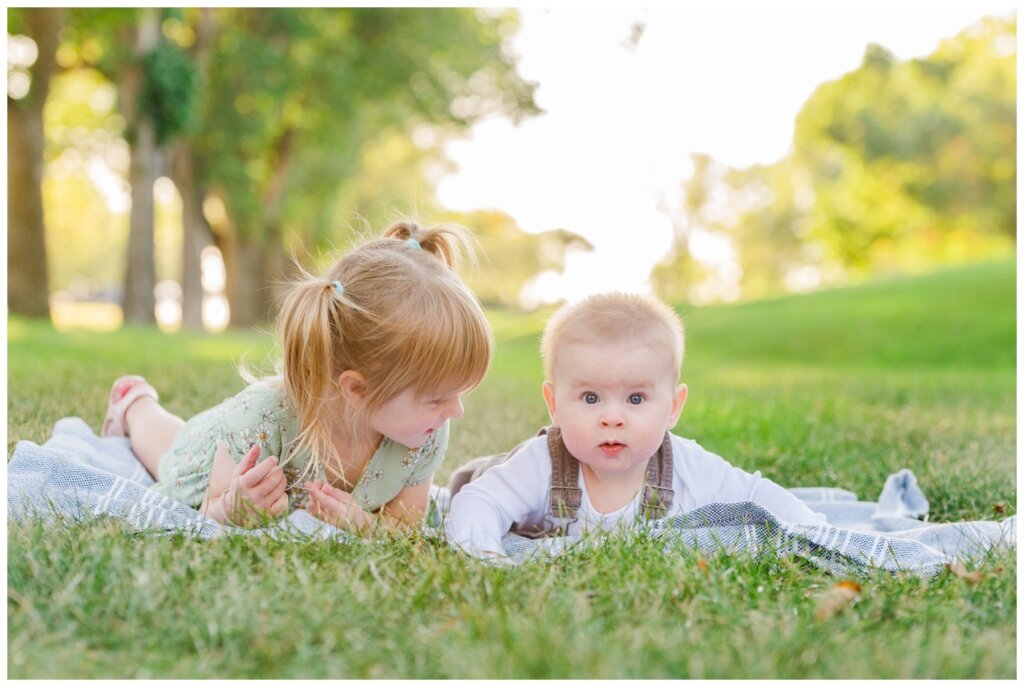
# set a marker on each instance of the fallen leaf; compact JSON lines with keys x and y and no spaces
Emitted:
{"x":836,"y":599}
{"x":447,"y":625}
{"x":958,"y":569}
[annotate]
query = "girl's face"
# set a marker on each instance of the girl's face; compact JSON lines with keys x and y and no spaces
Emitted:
{"x":410,"y":419}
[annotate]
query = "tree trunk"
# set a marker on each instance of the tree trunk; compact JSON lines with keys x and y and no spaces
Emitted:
{"x":28,"y":290}
{"x":196,"y":234}
{"x":276,"y":275}
{"x":254,"y":272}
{"x":140,"y":270}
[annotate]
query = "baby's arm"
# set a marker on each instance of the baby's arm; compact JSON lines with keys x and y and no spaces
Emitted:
{"x":783,"y":504}
{"x":739,"y":485}
{"x":514,"y":492}
{"x":711,"y":479}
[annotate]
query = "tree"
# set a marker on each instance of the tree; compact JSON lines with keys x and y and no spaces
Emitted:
{"x":27,"y":282}
{"x":158,"y":92}
{"x":511,"y":257}
{"x":910,"y":158}
{"x":140,"y":269}
{"x":290,"y":99}
{"x":679,"y":274}
{"x":895,"y":165}
{"x":156,"y":96}
{"x":186,"y":176}
{"x":294,"y":96}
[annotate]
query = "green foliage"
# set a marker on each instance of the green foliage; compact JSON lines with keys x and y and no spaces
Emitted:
{"x":15,"y":20}
{"x":85,"y":233}
{"x":169,"y":95}
{"x":101,"y":37}
{"x":836,"y":388}
{"x":302,"y":123}
{"x":895,"y":166}
{"x":511,"y":257}
{"x":907,"y":154}
{"x":295,"y":96}
{"x":104,"y":39}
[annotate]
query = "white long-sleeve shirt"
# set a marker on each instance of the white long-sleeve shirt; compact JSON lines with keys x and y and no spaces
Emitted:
{"x":517,"y":492}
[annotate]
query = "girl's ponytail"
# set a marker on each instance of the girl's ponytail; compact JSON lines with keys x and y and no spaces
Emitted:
{"x":449,"y":243}
{"x":311,"y":337}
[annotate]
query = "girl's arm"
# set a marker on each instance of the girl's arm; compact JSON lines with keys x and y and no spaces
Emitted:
{"x":340,"y":509}
{"x":247,"y":494}
{"x":220,"y":480}
{"x":409,"y":508}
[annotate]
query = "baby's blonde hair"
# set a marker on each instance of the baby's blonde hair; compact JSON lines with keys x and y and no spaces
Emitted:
{"x":614,"y":318}
{"x":393,"y":310}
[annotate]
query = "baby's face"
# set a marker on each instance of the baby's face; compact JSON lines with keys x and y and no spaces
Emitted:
{"x":613,"y":403}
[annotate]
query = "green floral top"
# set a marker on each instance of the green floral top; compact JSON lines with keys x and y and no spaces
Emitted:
{"x":261,"y":414}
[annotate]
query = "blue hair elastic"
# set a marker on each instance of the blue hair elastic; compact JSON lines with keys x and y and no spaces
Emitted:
{"x":412,"y":243}
{"x":338,"y":287}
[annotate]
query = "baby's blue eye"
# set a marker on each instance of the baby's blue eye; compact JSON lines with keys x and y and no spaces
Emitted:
{"x":636,"y":399}
{"x":590,"y":398}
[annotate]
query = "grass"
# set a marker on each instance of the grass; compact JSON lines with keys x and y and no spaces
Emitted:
{"x":837,"y":388}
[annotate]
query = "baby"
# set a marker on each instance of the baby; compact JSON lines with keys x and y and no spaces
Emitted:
{"x":612,"y":363}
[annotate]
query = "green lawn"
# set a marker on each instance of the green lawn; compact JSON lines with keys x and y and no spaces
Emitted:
{"x":837,"y":388}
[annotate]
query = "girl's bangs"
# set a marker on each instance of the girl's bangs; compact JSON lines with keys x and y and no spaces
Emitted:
{"x":454,"y":354}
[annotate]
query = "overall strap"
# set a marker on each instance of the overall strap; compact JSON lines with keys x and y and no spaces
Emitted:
{"x":658,"y":492}
{"x":565,"y":477}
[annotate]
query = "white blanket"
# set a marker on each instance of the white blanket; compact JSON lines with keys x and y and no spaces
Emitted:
{"x":77,"y":475}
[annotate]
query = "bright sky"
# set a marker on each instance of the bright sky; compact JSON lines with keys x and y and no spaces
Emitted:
{"x":621,"y":122}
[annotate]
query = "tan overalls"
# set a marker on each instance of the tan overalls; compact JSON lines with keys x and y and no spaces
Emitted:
{"x":566,"y":494}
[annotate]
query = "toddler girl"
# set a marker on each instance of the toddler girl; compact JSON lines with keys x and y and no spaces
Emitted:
{"x":375,"y":356}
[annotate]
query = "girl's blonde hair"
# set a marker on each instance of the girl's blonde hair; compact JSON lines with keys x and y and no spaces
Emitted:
{"x":393,"y":310}
{"x":614,"y":318}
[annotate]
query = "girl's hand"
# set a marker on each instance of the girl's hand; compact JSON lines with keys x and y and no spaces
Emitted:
{"x":336,"y":507}
{"x":256,"y":492}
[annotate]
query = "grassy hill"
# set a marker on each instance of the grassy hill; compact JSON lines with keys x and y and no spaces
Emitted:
{"x":962,"y":317}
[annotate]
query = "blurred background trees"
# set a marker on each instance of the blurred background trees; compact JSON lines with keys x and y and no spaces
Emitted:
{"x":261,"y":117}
{"x":34,"y":52}
{"x":897,"y":165}
{"x":206,"y":148}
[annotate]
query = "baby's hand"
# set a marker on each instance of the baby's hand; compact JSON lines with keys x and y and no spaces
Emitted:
{"x":334,"y":506}
{"x":256,"y":492}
